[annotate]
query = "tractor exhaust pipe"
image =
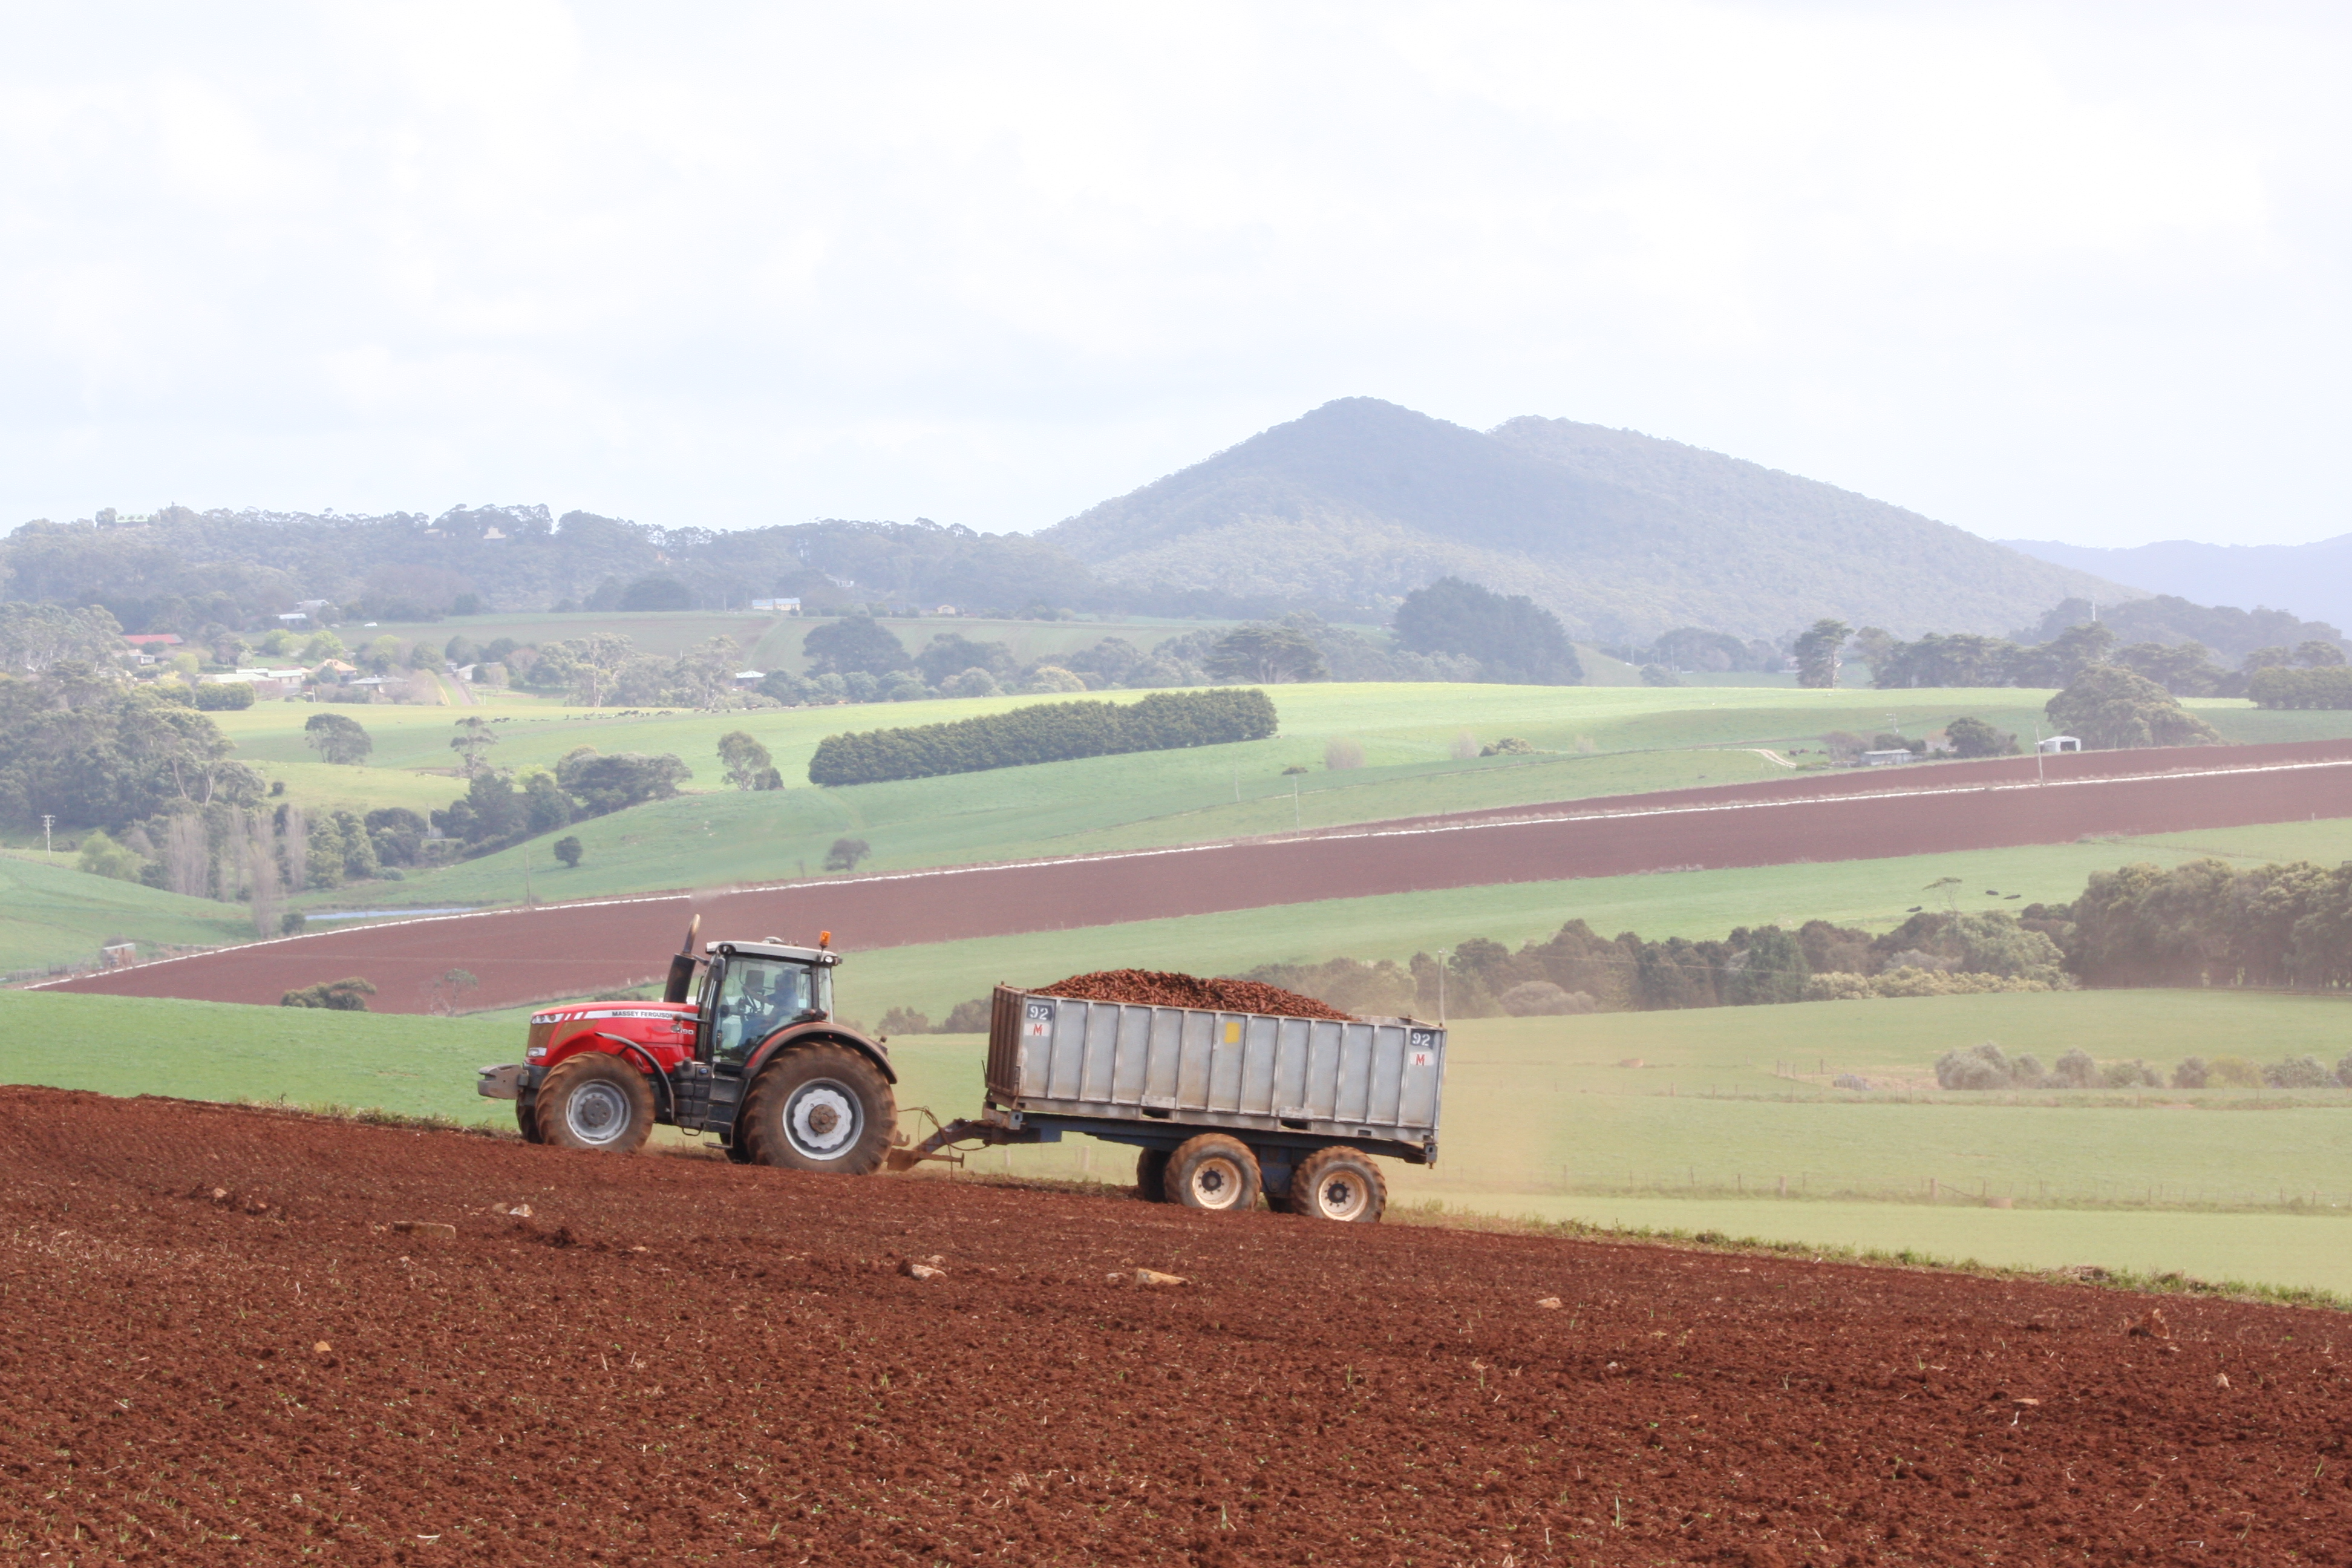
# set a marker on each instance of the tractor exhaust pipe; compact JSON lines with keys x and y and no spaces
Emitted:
{"x":681,"y":968}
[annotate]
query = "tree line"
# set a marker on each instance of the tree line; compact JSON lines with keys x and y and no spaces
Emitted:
{"x":1045,"y":732}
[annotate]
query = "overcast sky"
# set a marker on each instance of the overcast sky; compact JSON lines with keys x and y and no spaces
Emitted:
{"x":2076,"y":273}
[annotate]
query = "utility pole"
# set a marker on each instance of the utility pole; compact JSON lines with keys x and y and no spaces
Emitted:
{"x":2037,"y":755}
{"x":48,"y":849}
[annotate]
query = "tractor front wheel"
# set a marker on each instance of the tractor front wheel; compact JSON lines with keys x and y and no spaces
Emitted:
{"x":596,"y":1102}
{"x":820,"y":1107}
{"x":527,"y":1119}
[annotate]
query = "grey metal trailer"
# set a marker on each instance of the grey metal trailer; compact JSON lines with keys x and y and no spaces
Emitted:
{"x":1222,"y":1105}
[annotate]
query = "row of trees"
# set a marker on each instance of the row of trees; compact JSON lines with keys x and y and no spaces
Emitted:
{"x":1576,"y":970}
{"x":1045,"y":732}
{"x":1988,"y":1066}
{"x":2201,"y":924}
{"x":2328,"y":686}
{"x":2206,"y":923}
{"x":2185,"y":669}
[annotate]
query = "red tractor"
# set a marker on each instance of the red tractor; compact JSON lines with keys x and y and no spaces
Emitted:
{"x":753,"y":1054}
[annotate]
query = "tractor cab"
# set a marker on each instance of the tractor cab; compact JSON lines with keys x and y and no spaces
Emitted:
{"x":750,"y":990}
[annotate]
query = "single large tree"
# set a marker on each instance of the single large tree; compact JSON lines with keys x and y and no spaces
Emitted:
{"x":1265,"y":653}
{"x":472,"y":741}
{"x":1817,"y":652}
{"x":856,"y":643}
{"x":2111,"y":709}
{"x":747,"y":762}
{"x":337,"y":739}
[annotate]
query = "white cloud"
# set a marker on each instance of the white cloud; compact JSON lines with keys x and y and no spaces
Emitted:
{"x":2038,"y":271}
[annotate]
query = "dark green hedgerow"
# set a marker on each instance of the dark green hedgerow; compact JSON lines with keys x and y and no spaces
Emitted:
{"x":1046,"y":733}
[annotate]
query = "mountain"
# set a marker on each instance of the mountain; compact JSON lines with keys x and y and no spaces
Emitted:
{"x":2313,"y":581}
{"x":1625,"y":535}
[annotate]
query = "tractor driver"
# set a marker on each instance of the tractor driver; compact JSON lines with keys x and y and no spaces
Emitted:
{"x":764,"y":1005}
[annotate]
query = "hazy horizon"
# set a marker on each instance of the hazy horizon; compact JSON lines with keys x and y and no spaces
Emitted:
{"x":2075,"y":274}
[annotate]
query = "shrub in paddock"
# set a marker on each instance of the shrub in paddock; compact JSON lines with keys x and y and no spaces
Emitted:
{"x":2132,"y":1075}
{"x":967,"y":1017}
{"x":2298,"y":1072}
{"x":2235,"y":1072}
{"x":2192,"y":1073}
{"x":1542,"y":999}
{"x":346,"y":996}
{"x":2076,"y":1069}
{"x":1342,"y":754}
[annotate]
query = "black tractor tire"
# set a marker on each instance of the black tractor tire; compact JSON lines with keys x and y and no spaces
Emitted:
{"x":1339,"y":1184}
{"x":1212,"y":1171}
{"x":1152,"y":1174}
{"x":527,"y":1117}
{"x":596,"y":1102}
{"x":739,"y":1155}
{"x":820,"y":1107}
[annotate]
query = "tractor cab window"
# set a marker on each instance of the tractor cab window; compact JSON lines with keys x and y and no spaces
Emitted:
{"x":759,"y":995}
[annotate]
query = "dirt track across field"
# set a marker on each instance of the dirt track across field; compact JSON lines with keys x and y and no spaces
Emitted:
{"x":221,"y":1350}
{"x":572,"y":949}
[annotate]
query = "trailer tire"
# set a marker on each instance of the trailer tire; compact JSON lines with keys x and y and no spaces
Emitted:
{"x":1152,"y":1176}
{"x":597,"y":1103}
{"x":1212,"y":1171}
{"x":820,"y":1107}
{"x":1339,"y":1184}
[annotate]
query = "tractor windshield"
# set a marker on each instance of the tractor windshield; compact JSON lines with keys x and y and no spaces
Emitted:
{"x":758,"y":995}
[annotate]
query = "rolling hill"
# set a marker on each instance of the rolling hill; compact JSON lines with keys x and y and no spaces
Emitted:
{"x":1625,"y":535}
{"x":2313,"y":581}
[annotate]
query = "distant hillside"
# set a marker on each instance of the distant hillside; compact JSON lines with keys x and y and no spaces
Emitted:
{"x":2313,"y":581}
{"x":1625,"y":535}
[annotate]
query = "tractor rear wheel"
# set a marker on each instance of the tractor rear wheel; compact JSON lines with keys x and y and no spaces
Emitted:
{"x":1340,"y":1183}
{"x":1212,"y":1171}
{"x":820,"y":1107}
{"x":596,"y":1102}
{"x":1152,"y":1176}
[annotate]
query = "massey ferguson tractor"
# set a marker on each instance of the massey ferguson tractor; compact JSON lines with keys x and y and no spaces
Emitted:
{"x":1224,"y":1108}
{"x":754,"y":1056}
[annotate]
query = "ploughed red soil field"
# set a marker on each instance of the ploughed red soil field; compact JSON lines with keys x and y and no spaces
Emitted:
{"x":572,"y":950}
{"x":223,"y":1348}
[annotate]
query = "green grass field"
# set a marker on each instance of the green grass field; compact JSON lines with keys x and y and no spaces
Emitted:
{"x":53,"y":914}
{"x":1594,"y":740}
{"x":1542,"y":1120}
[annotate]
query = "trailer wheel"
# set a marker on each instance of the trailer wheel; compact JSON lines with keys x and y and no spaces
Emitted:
{"x":1152,"y":1176}
{"x":1212,"y":1171}
{"x":596,"y":1102}
{"x":1340,"y":1183}
{"x":820,"y":1107}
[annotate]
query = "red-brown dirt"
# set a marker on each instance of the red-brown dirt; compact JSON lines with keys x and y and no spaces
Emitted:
{"x":1161,"y":988}
{"x":220,"y":1350}
{"x":572,"y":949}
